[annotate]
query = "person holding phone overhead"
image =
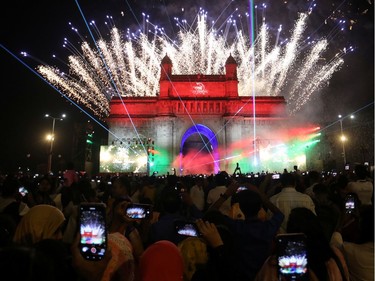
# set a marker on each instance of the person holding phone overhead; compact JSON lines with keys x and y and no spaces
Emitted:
{"x":324,"y":263}
{"x":252,"y":235}
{"x":120,"y":222}
{"x":99,"y":253}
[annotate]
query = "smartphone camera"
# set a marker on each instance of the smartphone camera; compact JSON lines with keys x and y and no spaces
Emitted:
{"x":186,"y":228}
{"x":93,"y":233}
{"x":292,"y":258}
{"x":276,"y":176}
{"x":139,"y":211}
{"x":349,"y":204}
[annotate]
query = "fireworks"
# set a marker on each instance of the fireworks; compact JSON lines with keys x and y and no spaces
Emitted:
{"x":128,"y":65}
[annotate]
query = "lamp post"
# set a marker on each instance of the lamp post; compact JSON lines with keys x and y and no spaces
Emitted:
{"x":51,"y":138}
{"x":343,"y":137}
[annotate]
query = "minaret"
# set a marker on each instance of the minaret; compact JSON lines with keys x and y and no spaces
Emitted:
{"x":166,"y":68}
{"x":231,"y":83}
{"x":165,"y":76}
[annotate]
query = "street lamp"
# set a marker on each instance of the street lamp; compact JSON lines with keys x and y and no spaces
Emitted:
{"x":51,"y":138}
{"x":343,"y":137}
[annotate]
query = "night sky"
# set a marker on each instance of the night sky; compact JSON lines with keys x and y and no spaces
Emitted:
{"x":39,"y":27}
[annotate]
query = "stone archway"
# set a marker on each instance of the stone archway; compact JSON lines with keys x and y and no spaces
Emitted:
{"x":210,"y":145}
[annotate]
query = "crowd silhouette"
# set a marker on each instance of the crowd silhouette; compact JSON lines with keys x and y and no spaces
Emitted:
{"x":198,"y":227}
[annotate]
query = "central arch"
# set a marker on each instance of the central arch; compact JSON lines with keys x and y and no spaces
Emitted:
{"x":202,"y":130}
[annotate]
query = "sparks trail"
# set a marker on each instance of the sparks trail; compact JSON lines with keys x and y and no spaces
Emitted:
{"x":131,"y":61}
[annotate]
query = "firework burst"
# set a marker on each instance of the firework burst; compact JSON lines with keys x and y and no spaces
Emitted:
{"x":128,"y":64}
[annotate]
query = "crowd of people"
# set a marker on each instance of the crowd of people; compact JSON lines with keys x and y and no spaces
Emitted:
{"x":235,"y":222}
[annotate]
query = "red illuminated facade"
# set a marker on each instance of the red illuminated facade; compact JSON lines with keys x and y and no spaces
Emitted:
{"x":185,"y":101}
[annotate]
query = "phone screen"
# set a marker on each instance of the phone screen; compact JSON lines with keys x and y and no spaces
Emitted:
{"x":139,"y":211}
{"x":186,"y":228}
{"x":349,"y":204}
{"x":23,"y":191}
{"x":292,"y":257}
{"x":241,"y":188}
{"x":93,"y":233}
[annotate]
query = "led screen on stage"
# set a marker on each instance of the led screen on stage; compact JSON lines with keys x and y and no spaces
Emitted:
{"x":123,"y":159}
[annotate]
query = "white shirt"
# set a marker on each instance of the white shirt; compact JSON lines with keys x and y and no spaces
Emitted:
{"x":289,"y":198}
{"x":359,"y":258}
{"x":363,"y":189}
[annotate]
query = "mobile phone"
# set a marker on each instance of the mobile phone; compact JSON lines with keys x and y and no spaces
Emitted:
{"x":292,"y":256}
{"x":275,"y":176}
{"x":93,"y":231}
{"x":349,"y":203}
{"x":23,"y":191}
{"x":241,"y":188}
{"x":186,"y":228}
{"x":139,"y":211}
{"x":347,"y":167}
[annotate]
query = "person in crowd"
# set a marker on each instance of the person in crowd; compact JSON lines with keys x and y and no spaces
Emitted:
{"x":136,"y":190}
{"x":328,"y":213}
{"x":11,"y":202}
{"x":41,"y":194}
{"x":337,"y":189}
{"x":252,"y":236}
{"x":219,"y":265}
{"x":194,"y":254}
{"x":121,"y":187}
{"x":26,"y":263}
{"x":148,"y":190}
{"x":119,"y":222}
{"x":81,"y":192}
{"x":221,"y":181}
{"x":7,"y":229}
{"x":289,"y":198}
{"x":314,"y":177}
{"x":59,"y":258}
{"x":171,"y":206}
{"x":323,"y":260}
{"x":361,"y":186}
{"x":350,"y":220}
{"x":324,"y":263}
{"x":116,"y":265}
{"x":359,"y":255}
{"x":120,"y":190}
{"x":41,"y":230}
{"x":197,"y":193}
{"x":161,"y":261}
{"x":70,"y":174}
{"x":41,"y":222}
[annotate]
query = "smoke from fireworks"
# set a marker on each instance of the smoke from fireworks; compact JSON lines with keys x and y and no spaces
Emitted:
{"x":128,"y":65}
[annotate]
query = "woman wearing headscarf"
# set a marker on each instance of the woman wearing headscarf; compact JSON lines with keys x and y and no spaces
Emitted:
{"x":41,"y":222}
{"x":161,"y":261}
